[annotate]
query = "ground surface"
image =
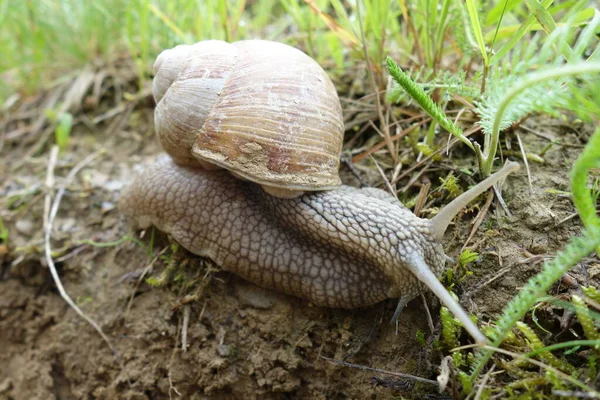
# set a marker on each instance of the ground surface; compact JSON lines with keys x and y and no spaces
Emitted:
{"x":243,"y":342}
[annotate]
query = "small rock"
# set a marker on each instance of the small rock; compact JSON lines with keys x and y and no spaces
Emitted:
{"x":107,"y":206}
{"x":6,"y":385}
{"x":304,"y":343}
{"x":224,"y":350}
{"x":594,"y":270}
{"x":67,"y":224}
{"x":25,"y":227}
{"x":255,"y":296}
{"x":114,"y":185}
{"x":97,"y":179}
{"x":538,"y":216}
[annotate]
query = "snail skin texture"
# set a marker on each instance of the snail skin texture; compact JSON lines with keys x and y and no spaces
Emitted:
{"x":344,"y":248}
{"x":254,"y":131}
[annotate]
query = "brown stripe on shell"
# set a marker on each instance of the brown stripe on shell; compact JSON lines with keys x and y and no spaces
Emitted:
{"x":278,"y":120}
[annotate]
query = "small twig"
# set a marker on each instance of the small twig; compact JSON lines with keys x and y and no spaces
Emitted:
{"x":422,"y":197}
{"x":501,"y":201}
{"x":383,"y":143}
{"x":567,"y":218}
{"x":429,"y":319}
{"x":346,"y":159}
{"x":49,"y":216}
{"x":525,"y":161}
{"x":184,"y":329}
{"x":484,"y":381}
{"x":141,"y":278}
{"x":385,"y":179}
{"x":416,"y":165}
{"x":49,"y":185}
{"x":497,"y":275}
{"x":381,"y":371}
{"x":479,"y":219}
{"x":412,"y":180}
{"x":171,"y":360}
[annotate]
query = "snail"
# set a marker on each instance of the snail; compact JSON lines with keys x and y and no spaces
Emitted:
{"x":335,"y":245}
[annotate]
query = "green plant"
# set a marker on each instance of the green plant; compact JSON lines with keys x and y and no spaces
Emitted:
{"x":64,"y":123}
{"x":512,"y":105}
{"x":575,"y":250}
{"x":466,"y":257}
{"x":43,"y":39}
{"x":427,"y":104}
{"x":592,"y":293}
{"x":515,"y":92}
{"x":586,"y":320}
{"x":148,"y":249}
{"x":546,"y":356}
{"x":450,"y":328}
{"x":3,"y":232}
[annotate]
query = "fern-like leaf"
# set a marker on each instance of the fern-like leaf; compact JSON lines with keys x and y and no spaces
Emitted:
{"x":427,"y":104}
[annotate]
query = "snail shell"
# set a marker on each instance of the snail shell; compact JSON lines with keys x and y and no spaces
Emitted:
{"x":263,"y":110}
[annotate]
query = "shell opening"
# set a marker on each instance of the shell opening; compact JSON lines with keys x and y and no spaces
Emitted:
{"x":282,"y":193}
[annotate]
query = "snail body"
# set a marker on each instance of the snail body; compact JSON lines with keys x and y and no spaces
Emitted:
{"x":325,"y":246}
{"x":290,"y":225}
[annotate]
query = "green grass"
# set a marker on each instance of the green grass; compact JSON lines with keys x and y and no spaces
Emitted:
{"x":43,"y":38}
{"x":503,"y":62}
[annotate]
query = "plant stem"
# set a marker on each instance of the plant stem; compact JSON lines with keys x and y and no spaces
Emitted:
{"x":489,"y":152}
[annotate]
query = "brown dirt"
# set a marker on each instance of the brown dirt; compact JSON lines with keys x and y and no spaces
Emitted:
{"x":243,"y":342}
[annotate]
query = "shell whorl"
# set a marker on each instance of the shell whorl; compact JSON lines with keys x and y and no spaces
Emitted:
{"x":263,"y":110}
{"x":187,"y":84}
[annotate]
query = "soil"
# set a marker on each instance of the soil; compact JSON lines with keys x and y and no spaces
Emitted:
{"x":242,"y":341}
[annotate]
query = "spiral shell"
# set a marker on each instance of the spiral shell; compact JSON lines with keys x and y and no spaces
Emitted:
{"x":265,"y":111}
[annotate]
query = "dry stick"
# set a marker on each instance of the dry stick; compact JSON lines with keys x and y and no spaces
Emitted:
{"x":412,"y":180}
{"x":184,"y":329}
{"x":49,"y":185}
{"x":438,"y":151}
{"x":497,"y":275}
{"x":484,"y":381}
{"x":372,"y":124}
{"x":429,"y":319}
{"x":346,"y":159}
{"x":381,"y":144}
{"x":171,"y":387}
{"x":501,"y":201}
{"x":381,"y":371}
{"x":385,"y":179}
{"x":49,"y":216}
{"x":350,"y":143}
{"x":525,"y":161}
{"x":422,"y":197}
{"x":141,"y":278}
{"x":479,"y":219}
